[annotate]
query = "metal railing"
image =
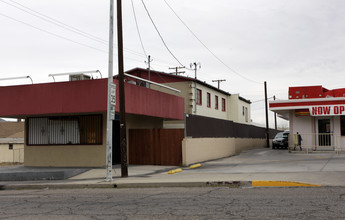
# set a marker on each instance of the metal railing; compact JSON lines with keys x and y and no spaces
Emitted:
{"x":320,"y":142}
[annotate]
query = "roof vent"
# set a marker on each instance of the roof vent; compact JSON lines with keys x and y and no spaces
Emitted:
{"x":79,"y":77}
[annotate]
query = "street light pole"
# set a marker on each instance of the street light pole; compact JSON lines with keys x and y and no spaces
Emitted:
{"x":109,"y":154}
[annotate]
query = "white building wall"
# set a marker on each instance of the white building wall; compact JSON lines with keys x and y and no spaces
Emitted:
{"x":240,"y":111}
{"x":303,"y":125}
{"x":307,"y":126}
{"x":233,"y":104}
{"x":211,"y":111}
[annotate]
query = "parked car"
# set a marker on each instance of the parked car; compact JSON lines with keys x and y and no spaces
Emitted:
{"x":281,"y":140}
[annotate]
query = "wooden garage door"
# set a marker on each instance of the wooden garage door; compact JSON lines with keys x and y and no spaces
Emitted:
{"x":155,"y":146}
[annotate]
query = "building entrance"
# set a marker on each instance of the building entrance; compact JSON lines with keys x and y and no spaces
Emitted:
{"x":116,"y":142}
{"x":324,"y":132}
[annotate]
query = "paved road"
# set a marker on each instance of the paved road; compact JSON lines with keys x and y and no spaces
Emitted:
{"x":175,"y":203}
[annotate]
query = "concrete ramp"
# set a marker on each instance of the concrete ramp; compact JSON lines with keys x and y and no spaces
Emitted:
{"x":21,"y":173}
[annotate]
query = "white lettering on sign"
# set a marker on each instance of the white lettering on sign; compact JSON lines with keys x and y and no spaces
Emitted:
{"x":113,"y":94}
{"x":327,"y":110}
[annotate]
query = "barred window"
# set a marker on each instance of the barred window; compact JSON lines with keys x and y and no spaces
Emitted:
{"x":65,"y":130}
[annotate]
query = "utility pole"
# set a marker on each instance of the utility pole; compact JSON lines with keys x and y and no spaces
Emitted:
{"x":266,"y":110}
{"x":149,"y":65}
{"x":123,"y":140}
{"x":275,"y":116}
{"x":196,"y":66}
{"x":109,"y":153}
{"x":176,"y":70}
{"x":219,"y":81}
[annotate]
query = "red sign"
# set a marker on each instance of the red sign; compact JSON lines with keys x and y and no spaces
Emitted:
{"x":325,"y":110}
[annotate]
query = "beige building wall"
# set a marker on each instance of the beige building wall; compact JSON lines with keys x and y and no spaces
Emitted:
{"x":15,"y":155}
{"x":67,"y":155}
{"x":234,"y":109}
{"x":196,"y":150}
{"x":211,"y":111}
{"x":188,"y":91}
{"x":240,"y":111}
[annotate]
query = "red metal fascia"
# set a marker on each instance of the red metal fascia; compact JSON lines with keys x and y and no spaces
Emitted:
{"x":53,"y":98}
{"x":302,"y":92}
{"x":335,"y":93}
{"x":144,"y":101}
{"x":87,"y":96}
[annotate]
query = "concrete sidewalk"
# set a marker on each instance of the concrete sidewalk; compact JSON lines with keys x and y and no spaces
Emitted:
{"x":264,"y":166}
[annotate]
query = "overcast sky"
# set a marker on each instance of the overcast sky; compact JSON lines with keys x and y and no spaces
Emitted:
{"x":284,"y":42}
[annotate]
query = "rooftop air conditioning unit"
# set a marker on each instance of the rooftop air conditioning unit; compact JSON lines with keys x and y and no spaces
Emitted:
{"x":79,"y":77}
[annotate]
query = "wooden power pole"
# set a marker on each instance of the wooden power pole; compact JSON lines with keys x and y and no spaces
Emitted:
{"x":123,"y":140}
{"x":219,"y":81}
{"x":266,"y":110}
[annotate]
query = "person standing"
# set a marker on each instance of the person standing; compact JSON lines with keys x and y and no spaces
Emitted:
{"x":298,"y":141}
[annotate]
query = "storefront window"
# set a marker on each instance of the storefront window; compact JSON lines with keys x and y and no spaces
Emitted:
{"x":65,"y":130}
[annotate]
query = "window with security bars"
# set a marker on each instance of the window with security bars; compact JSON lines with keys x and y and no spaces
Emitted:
{"x":69,"y":130}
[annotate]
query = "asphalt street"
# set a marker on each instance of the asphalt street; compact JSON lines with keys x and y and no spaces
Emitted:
{"x":175,"y":203}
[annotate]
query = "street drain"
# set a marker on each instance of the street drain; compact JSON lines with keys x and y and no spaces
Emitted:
{"x":232,"y":184}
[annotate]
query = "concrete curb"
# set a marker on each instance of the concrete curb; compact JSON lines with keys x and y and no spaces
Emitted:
{"x":230,"y":184}
{"x":55,"y":186}
{"x":260,"y":183}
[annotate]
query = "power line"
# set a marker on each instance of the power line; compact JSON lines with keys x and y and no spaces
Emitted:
{"x":166,"y":46}
{"x":136,"y":24}
{"x":59,"y":36}
{"x":64,"y":25}
{"x":231,"y":69}
{"x":261,"y":100}
{"x":55,"y":22}
{"x":51,"y":33}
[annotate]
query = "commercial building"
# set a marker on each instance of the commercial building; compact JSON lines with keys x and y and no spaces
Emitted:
{"x":65,"y":122}
{"x":200,"y":98}
{"x":317,"y":114}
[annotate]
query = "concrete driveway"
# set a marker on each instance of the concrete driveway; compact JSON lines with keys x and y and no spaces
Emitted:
{"x":276,"y":165}
{"x":273,"y":161}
